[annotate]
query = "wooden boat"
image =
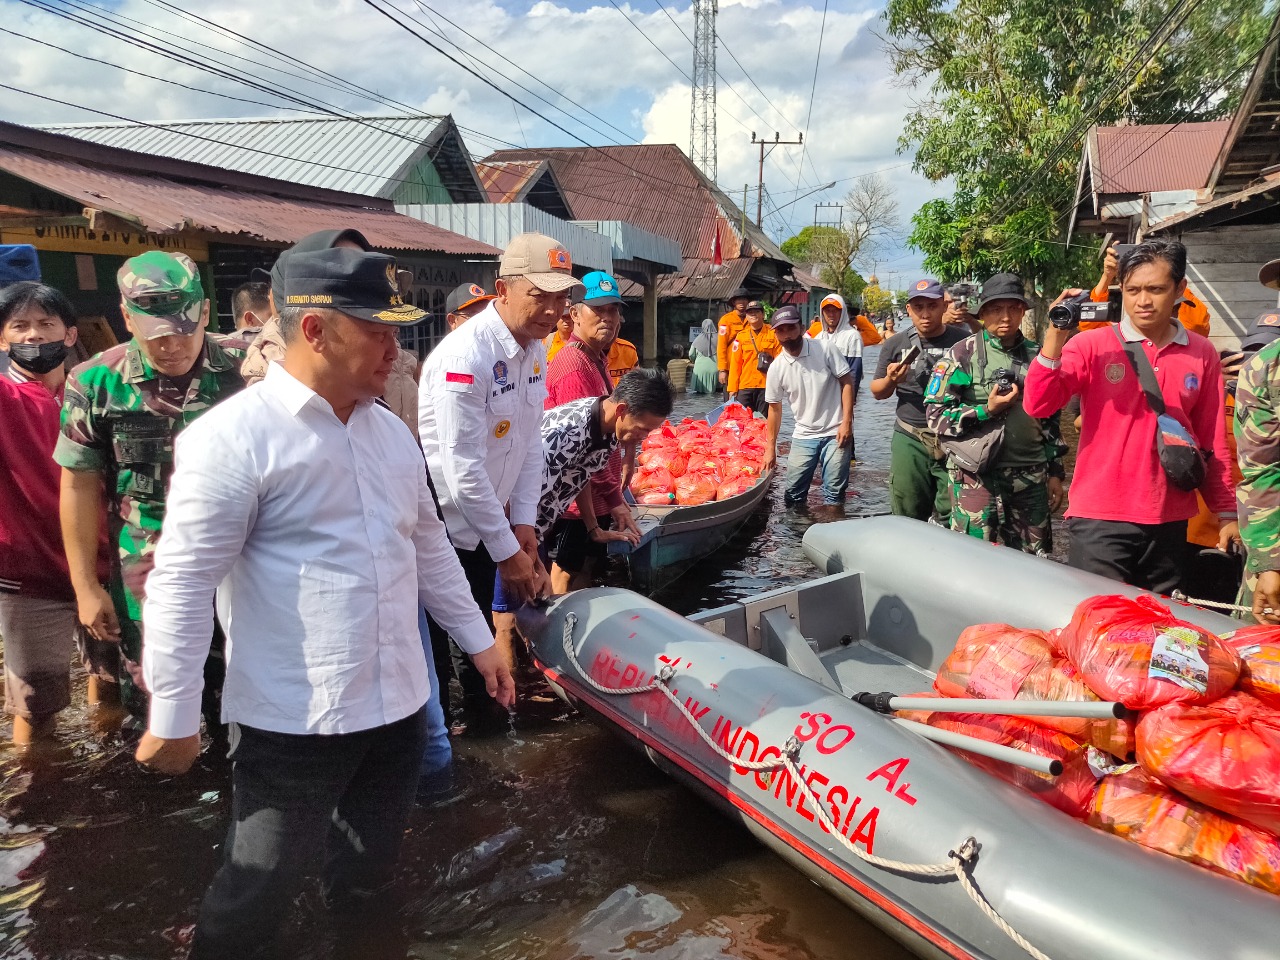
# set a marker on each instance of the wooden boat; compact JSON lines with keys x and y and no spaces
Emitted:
{"x":674,"y":538}
{"x":775,"y":673}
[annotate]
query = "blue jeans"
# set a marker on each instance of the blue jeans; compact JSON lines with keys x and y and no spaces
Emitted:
{"x":437,"y":754}
{"x":804,"y":459}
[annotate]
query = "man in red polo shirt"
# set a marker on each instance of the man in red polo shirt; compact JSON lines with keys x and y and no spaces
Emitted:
{"x":1126,"y":520}
{"x":37,"y":604}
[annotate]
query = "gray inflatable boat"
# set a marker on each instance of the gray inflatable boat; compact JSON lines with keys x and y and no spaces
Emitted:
{"x":924,"y":838}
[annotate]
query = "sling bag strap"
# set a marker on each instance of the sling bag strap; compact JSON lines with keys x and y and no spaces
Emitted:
{"x":1142,"y":367}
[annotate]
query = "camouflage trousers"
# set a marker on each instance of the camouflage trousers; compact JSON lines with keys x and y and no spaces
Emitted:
{"x":1009,"y":505}
{"x":133,"y":692}
{"x":1245,"y":597}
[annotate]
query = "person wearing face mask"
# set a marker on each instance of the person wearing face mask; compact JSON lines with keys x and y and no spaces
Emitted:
{"x":37,"y":604}
{"x":121,"y":412}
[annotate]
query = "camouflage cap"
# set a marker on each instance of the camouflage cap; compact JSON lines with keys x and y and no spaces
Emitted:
{"x":163,"y":295}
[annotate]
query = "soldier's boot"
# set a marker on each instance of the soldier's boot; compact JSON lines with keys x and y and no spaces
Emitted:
{"x":34,"y":731}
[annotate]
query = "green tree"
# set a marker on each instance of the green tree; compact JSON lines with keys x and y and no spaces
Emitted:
{"x":1014,"y":85}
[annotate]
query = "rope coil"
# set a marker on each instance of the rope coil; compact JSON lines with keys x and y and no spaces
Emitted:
{"x":958,"y":862}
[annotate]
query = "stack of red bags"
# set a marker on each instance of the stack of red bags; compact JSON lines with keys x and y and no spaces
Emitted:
{"x":694,"y":462}
{"x":1206,"y":785}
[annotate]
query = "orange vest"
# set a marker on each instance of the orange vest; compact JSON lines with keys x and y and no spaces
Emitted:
{"x":743,"y":352}
{"x":554,"y":342}
{"x":622,"y":359}
{"x":730,"y":325}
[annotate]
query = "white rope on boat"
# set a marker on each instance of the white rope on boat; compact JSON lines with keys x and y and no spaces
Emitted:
{"x":1213,"y":604}
{"x":957,"y":864}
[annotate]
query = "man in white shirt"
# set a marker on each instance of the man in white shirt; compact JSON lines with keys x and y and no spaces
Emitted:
{"x":814,"y":378}
{"x":480,"y":405}
{"x":306,"y":506}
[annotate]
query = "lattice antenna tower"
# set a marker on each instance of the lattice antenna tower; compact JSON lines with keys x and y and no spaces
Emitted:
{"x":702,"y":118}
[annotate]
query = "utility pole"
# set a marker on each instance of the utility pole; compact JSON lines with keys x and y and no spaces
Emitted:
{"x":819,"y":207}
{"x":776,"y":142}
{"x":702,"y":116}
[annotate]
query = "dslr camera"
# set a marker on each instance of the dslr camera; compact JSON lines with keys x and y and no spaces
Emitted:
{"x":1004,"y":380}
{"x":1068,"y":314}
{"x":966,"y":294}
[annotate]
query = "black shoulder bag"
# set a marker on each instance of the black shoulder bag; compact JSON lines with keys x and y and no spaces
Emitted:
{"x":1180,"y":455}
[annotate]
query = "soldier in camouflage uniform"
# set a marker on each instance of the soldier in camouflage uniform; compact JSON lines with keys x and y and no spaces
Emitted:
{"x":1257,"y":430}
{"x":1013,"y":499}
{"x":120,"y":414}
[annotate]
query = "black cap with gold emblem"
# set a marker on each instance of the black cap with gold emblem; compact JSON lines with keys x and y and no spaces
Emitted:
{"x":359,"y":284}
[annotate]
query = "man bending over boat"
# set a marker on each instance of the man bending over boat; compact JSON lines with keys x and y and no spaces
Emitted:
{"x":580,"y":436}
{"x":814,"y":378}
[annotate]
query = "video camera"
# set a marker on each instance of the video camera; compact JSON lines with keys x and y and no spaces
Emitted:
{"x":1068,"y":314}
{"x":966,"y":293}
{"x":1004,"y":381}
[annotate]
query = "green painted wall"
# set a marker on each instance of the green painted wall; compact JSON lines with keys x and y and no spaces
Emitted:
{"x":423,"y":185}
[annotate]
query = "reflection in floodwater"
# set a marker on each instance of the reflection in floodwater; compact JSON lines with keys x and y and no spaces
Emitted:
{"x":557,"y":842}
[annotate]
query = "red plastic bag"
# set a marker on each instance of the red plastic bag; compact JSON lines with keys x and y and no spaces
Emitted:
{"x":706,"y":465}
{"x":666,"y":458}
{"x":656,"y":498}
{"x":1136,"y":806}
{"x":1071,"y":791}
{"x":994,"y":661}
{"x":1136,"y":651}
{"x":732,"y":488}
{"x":1258,"y":648}
{"x":1225,"y":754}
{"x":695,"y":488}
{"x":655,"y":480}
{"x":665,"y":435}
{"x":739,"y":466}
{"x":735,"y":411}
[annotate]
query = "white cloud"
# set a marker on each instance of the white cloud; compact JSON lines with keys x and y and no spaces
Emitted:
{"x":581,"y":51}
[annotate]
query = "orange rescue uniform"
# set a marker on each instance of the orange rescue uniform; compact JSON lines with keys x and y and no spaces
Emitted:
{"x":730,"y":326}
{"x":623,"y":358}
{"x":746,"y":348}
{"x":554,"y":342}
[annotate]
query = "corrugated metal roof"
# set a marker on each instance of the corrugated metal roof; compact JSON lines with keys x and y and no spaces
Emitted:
{"x":654,"y":186}
{"x":1155,"y":157}
{"x":702,"y":280}
{"x":497,"y":223}
{"x":161,"y":205}
{"x":370,"y":156}
{"x":507,"y":182}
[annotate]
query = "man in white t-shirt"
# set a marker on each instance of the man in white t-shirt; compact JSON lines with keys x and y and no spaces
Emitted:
{"x":814,"y":378}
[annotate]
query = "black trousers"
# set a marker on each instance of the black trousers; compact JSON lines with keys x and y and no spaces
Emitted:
{"x":480,"y":571}
{"x":1149,"y":556}
{"x":290,"y":792}
{"x":752,"y":399}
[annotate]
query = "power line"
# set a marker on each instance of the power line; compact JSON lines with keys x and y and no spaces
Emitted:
{"x":813,"y":89}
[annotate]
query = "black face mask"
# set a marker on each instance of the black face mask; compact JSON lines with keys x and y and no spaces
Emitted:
{"x":39,"y":358}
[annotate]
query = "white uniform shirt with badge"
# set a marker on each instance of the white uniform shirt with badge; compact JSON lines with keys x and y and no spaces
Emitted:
{"x":321,"y":539}
{"x":479,"y":411}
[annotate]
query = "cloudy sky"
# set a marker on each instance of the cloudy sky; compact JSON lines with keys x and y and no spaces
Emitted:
{"x":612,"y":60}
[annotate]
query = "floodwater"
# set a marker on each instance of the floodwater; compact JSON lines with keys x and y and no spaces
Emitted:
{"x":558,"y":843}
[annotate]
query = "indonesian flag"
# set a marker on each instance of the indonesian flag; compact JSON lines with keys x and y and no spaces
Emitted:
{"x":716,"y":258}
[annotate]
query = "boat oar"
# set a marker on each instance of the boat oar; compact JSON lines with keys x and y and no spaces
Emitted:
{"x":1020,"y":758}
{"x":1083,"y":709}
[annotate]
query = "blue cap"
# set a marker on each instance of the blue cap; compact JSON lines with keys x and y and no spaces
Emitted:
{"x":601,"y":289}
{"x":18,"y":262}
{"x":930,"y":289}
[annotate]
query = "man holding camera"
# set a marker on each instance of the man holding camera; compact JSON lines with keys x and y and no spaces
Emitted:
{"x":918,"y":482}
{"x":1006,"y":467}
{"x":1152,"y":424}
